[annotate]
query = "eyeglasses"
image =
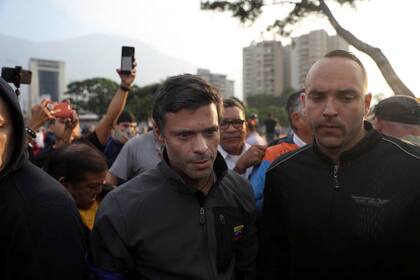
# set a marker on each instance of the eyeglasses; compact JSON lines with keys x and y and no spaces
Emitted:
{"x":238,"y":123}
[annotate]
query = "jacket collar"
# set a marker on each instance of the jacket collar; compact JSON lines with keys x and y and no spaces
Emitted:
{"x":178,"y":183}
{"x":370,"y":140}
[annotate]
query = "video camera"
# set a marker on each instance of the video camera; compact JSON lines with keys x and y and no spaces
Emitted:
{"x":16,"y":76}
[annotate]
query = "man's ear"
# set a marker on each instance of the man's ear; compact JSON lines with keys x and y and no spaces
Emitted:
{"x":368,"y":99}
{"x":158,"y":133}
{"x":295,"y":118}
{"x":303,"y":101}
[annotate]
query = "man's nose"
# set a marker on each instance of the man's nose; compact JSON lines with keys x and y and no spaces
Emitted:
{"x":200,"y":144}
{"x":330,"y":109}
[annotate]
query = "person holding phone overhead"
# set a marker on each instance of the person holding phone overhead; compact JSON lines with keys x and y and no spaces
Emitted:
{"x":66,"y":130}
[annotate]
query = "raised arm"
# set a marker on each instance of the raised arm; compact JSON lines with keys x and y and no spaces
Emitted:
{"x":104,"y":128}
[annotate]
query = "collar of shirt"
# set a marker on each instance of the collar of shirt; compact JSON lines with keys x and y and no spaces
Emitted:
{"x":299,"y":142}
{"x":232,"y":159}
{"x":226,"y":155}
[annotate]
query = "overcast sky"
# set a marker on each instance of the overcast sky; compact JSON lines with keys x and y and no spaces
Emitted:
{"x":214,"y":40}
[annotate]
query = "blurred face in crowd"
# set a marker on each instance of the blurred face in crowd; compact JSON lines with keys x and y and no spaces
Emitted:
{"x":395,"y":129}
{"x":86,"y":191}
{"x":191,"y":138}
{"x":335,"y":103}
{"x":123,"y":131}
{"x":6,"y":146}
{"x":233,"y":130}
{"x":302,"y":126}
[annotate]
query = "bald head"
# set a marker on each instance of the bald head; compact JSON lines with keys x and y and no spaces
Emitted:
{"x":345,"y":59}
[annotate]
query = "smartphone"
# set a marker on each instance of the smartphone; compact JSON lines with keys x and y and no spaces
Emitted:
{"x":63,"y":110}
{"x":127,"y":59}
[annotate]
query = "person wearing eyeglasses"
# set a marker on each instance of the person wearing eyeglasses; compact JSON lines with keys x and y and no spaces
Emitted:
{"x":239,"y":155}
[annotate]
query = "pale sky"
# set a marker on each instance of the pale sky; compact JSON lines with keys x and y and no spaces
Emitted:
{"x":215,"y":40}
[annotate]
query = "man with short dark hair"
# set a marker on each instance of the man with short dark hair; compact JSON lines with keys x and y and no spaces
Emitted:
{"x":398,"y":116}
{"x":189,"y":217}
{"x":41,"y":234}
{"x":348,"y":205}
{"x":239,"y":155}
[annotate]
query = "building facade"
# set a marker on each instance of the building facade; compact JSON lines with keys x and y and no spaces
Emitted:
{"x":263,"y":69}
{"x":48,"y":81}
{"x":270,"y":68}
{"x":220,"y":81}
{"x":307,"y":49}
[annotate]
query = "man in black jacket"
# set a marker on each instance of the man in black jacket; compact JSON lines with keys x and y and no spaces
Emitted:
{"x":41,"y":234}
{"x":189,"y":217}
{"x":347,"y":206}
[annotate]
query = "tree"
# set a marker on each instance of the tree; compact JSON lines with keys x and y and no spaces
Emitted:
{"x":94,"y":96}
{"x":250,"y":10}
{"x":263,"y":104}
{"x":140,"y":101}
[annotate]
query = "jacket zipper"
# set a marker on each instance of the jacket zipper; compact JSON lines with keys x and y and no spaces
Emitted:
{"x":337,"y":185}
{"x":202,"y":221}
{"x":202,"y":216}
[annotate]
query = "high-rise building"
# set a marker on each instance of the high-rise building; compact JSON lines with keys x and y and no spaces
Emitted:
{"x":219,"y":81}
{"x":307,"y":49}
{"x":263,"y":68}
{"x":48,"y":80}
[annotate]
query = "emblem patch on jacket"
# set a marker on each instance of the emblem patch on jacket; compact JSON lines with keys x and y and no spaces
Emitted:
{"x":238,"y":232}
{"x":370,"y":201}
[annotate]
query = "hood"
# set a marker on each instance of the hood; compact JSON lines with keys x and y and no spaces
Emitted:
{"x":18,"y":144}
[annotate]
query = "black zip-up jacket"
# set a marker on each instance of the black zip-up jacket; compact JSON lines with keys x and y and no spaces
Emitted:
{"x":358,"y":219}
{"x":157,"y":227}
{"x":41,"y":233}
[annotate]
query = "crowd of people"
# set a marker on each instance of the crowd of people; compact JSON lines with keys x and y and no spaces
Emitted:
{"x":203,"y":195}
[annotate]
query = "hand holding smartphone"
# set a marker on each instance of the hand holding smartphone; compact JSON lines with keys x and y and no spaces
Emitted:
{"x":127,"y":59}
{"x":62,"y":110}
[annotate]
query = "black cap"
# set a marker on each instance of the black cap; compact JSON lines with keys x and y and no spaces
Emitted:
{"x":398,"y":108}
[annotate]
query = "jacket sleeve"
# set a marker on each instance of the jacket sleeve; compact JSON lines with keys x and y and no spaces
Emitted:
{"x":273,"y":260}
{"x":247,"y":250}
{"x":111,"y":256}
{"x":257,"y":181}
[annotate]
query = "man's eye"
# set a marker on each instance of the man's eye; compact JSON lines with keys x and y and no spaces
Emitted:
{"x":315,"y":96}
{"x":210,"y":132}
{"x":184,"y":135}
{"x":348,"y":97}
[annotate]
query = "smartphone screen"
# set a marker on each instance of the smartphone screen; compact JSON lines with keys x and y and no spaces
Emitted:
{"x":127,"y":59}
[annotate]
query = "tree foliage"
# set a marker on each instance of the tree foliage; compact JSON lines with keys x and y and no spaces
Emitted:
{"x":247,"y":11}
{"x":140,"y":101}
{"x":94,"y":96}
{"x":263,"y":104}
